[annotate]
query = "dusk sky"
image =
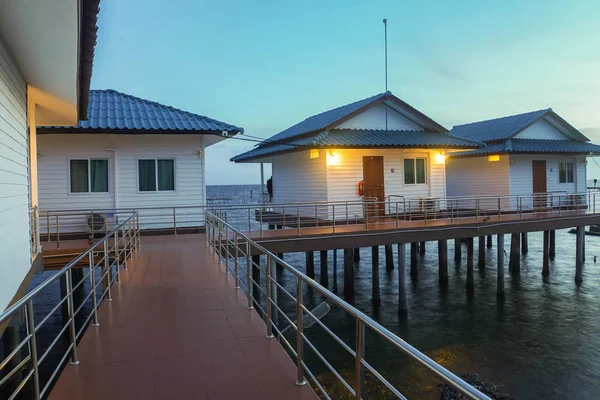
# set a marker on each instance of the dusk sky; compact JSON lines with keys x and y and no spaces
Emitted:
{"x":268,"y":65}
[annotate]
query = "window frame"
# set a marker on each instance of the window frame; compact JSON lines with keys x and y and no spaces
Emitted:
{"x":89,"y":175}
{"x":156,"y":159}
{"x":566,"y":164}
{"x":425,"y":164}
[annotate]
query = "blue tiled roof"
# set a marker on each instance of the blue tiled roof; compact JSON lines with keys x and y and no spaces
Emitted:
{"x":112,"y":110}
{"x":362,"y":138}
{"x":499,"y":128}
{"x":531,"y":146}
{"x":324,"y":119}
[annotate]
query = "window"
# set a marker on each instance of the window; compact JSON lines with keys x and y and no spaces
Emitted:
{"x":89,"y":176}
{"x":415,"y":171}
{"x":156,"y":174}
{"x":565,"y":172}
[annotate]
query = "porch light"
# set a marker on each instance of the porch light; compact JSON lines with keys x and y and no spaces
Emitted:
{"x":314,"y":153}
{"x":332,"y":158}
{"x":494,"y":158}
{"x":439,"y":158}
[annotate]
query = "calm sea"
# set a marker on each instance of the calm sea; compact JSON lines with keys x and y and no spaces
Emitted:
{"x":539,"y":342}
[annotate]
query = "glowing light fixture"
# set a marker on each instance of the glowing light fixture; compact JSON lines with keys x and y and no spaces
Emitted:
{"x":332,"y":158}
{"x":314,"y":153}
{"x":439,"y":158}
{"x":494,"y":158}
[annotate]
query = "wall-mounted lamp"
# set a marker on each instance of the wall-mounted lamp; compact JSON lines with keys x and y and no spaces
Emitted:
{"x":199,"y":152}
{"x":494,"y":158}
{"x":313,"y":153}
{"x":439,"y":158}
{"x":332,"y":158}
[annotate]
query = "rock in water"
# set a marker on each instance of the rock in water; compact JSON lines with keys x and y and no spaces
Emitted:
{"x":489,"y":388}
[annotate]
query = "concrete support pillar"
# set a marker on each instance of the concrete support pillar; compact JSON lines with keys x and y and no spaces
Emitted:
{"x":375,"y":273}
{"x":310,"y":264}
{"x":402,"y":307}
{"x":357,"y":254}
{"x":514,"y":263}
{"x":470,"y":280}
{"x":422,"y":248}
{"x":414,"y":272}
{"x":389,"y":257}
{"x":500,"y":285}
{"x":524,"y":243}
{"x":443,"y":261}
{"x":324,"y":268}
{"x":489,"y":241}
{"x":481,"y":252}
{"x":349,"y":273}
{"x":457,"y":250}
{"x":579,"y":254}
{"x":546,"y":255}
{"x":552,"y":249}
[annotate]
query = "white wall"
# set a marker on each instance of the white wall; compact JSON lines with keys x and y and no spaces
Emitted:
{"x":374,"y":118}
{"x":297,"y":178}
{"x":343,"y":178}
{"x":55,"y":151}
{"x":15,"y":255}
{"x":541,"y":130}
{"x":476,"y":176}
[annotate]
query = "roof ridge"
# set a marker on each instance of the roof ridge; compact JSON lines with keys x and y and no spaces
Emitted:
{"x":384,"y":130}
{"x":164,"y":106}
{"x":349,"y":104}
{"x":545,"y":110}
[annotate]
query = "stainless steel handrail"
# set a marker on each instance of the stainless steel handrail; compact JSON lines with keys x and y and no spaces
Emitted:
{"x":222,"y":236}
{"x":123,"y":248}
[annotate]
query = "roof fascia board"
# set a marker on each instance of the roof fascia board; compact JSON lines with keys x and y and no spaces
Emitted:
{"x":566,"y":128}
{"x":414,"y":112}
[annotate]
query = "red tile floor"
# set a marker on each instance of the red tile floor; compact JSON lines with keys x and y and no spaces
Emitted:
{"x":177,"y":329}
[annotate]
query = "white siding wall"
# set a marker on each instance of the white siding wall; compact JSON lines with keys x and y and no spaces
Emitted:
{"x":15,"y":256}
{"x":374,"y":118}
{"x":476,"y":176}
{"x":297,"y":178}
{"x":55,"y":151}
{"x":541,"y":130}
{"x":343,"y":178}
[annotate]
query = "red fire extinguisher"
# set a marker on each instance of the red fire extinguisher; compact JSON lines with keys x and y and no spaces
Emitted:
{"x":361,"y":188}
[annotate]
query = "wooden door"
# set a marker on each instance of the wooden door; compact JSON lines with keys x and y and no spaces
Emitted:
{"x":539,"y":184}
{"x":374,"y":183}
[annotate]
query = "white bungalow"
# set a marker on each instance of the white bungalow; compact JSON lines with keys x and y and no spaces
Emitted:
{"x":46,"y":56}
{"x":532,"y":153}
{"x":130,"y":154}
{"x":394,"y":149}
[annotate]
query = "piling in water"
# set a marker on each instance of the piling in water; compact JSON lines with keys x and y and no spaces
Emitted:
{"x":443,"y":262}
{"x":514,"y":262}
{"x":401,"y":278}
{"x":324,"y":268}
{"x":414,"y":272}
{"x":349,"y":273}
{"x":389,"y":257}
{"x":546,"y":254}
{"x":481,"y":252}
{"x":470,"y":281}
{"x":489,"y":241}
{"x":552,"y":249}
{"x":375,"y":273}
{"x":457,"y":250}
{"x":310,"y":264}
{"x":500,"y":284}
{"x":357,"y":254}
{"x":524,"y":243}
{"x":579,"y":254}
{"x":422,"y":248}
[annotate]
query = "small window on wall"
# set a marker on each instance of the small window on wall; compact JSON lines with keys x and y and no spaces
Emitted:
{"x":415,"y":171}
{"x":565,"y":172}
{"x":89,"y":176}
{"x":156,"y":175}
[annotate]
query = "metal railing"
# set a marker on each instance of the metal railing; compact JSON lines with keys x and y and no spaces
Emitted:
{"x":236,"y":250}
{"x":108,"y":256}
{"x":34,"y":224}
{"x":398,"y":212}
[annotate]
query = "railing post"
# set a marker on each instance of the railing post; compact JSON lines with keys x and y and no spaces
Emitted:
{"x":249,"y":219}
{"x":316,"y":216}
{"x":261,"y":222}
{"x":520,"y":200}
{"x":359,"y":368}
{"x":333,"y":211}
{"x":29,"y":316}
{"x":48,"y":226}
{"x":107,"y":272}
{"x":174,"y":222}
{"x":117,"y":261}
{"x":397,"y":215}
{"x":476,"y":209}
{"x":226,"y":249}
{"x":282,"y":212}
{"x":57,"y":233}
{"x":499,"y":209}
{"x":300,"y":381}
{"x":235,"y":260}
{"x":92,"y":268}
{"x":268,"y":298}
{"x":249,"y":284}
{"x":298,"y":215}
{"x":71,"y":313}
{"x":347,"y":216}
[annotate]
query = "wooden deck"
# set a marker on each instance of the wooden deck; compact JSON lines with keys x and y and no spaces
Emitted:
{"x":386,"y":230}
{"x":177,"y":329}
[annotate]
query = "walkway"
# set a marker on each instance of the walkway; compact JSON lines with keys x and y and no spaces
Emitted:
{"x":176,"y":329}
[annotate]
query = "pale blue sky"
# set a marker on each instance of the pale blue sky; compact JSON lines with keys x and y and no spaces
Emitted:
{"x":266,"y":65}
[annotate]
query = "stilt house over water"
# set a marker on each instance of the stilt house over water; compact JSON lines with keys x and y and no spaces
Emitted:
{"x":532,"y":153}
{"x":377,"y":147}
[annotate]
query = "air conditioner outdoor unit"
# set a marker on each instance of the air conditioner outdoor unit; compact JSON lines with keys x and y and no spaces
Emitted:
{"x":427,"y":204}
{"x":96,"y":223}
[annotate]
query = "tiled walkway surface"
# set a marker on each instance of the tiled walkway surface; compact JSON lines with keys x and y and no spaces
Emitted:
{"x":176,"y":329}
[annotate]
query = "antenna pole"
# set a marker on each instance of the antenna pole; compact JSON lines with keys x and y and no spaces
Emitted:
{"x":386,"y":74}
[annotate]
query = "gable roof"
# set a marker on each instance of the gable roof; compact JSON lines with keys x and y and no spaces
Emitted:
{"x":110,"y":111}
{"x":361,"y":138}
{"x":532,"y":146}
{"x":508,"y":127}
